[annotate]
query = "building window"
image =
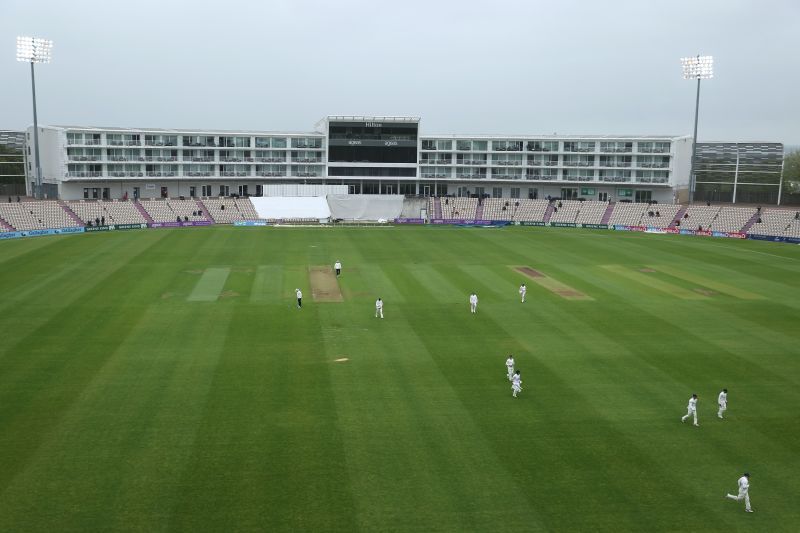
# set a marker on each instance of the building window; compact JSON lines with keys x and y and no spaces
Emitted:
{"x":514,"y":192}
{"x":497,"y":192}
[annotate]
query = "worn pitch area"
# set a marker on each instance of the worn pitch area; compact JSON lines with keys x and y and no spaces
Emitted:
{"x":553,"y":285}
{"x":324,"y":285}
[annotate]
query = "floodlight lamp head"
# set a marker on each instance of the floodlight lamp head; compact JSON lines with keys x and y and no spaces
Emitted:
{"x":34,"y":50}
{"x":698,"y":67}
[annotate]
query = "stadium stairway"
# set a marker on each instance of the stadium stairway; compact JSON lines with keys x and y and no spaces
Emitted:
{"x":71,"y":213}
{"x":548,"y":213}
{"x":5,"y":225}
{"x":143,"y":211}
{"x":479,"y":211}
{"x":607,"y":214}
{"x":679,"y":216}
{"x":750,"y":222}
{"x":204,"y":209}
{"x":437,"y":207}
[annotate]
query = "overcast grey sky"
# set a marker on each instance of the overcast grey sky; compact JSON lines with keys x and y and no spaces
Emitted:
{"x":505,"y":67}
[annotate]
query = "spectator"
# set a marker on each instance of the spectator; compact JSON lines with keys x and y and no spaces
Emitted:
{"x":185,"y":218}
{"x":179,"y":219}
{"x":559,"y":204}
{"x":797,"y":216}
{"x":658,"y":214}
{"x":699,"y":228}
{"x":9,"y":199}
{"x":97,"y":221}
{"x":708,"y":204}
{"x":103,"y":221}
{"x":686,"y":215}
{"x":17,"y":199}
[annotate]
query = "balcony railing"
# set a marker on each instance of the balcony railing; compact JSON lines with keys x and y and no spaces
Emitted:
{"x":84,"y":174}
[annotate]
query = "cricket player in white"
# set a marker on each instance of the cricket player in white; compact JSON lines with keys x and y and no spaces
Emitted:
{"x":722,"y":401}
{"x":378,"y":308}
{"x":510,"y":367}
{"x":473,"y":303}
{"x":338,"y":267}
{"x":522,"y":290}
{"x":691,"y":410}
{"x":516,"y":384}
{"x":744,"y":492}
{"x":299,"y":298}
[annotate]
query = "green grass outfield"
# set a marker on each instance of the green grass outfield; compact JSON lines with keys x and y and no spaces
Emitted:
{"x":164,"y":380}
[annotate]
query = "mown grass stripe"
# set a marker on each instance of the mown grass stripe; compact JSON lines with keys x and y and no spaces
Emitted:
{"x":718,"y":286}
{"x":654,"y":283}
{"x":437,"y":285}
{"x":210,"y":284}
{"x":267,"y":284}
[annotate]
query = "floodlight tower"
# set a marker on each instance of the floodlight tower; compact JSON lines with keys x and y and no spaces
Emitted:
{"x":35,"y":50}
{"x":696,"y":68}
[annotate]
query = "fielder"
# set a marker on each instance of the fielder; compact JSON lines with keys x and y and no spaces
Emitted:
{"x":378,"y":308}
{"x":522,"y":290}
{"x":299,"y":298}
{"x":338,"y":267}
{"x":473,"y":303}
{"x":744,"y":492}
{"x":722,"y":401}
{"x":516,"y":384}
{"x":510,"y":367}
{"x":691,"y":410}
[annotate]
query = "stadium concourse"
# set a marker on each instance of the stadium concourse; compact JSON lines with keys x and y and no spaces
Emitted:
{"x":32,"y":217}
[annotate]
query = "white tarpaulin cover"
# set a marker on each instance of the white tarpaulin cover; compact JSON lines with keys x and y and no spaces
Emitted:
{"x":282,"y":207}
{"x":365,"y":206}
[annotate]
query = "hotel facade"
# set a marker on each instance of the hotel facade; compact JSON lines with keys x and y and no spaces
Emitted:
{"x":369,"y":155}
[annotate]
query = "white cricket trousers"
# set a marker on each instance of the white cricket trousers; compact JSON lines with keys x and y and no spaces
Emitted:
{"x":473,"y":308}
{"x":743,"y":495}
{"x":379,"y":312}
{"x":690,"y":413}
{"x":510,"y":373}
{"x":722,"y":408}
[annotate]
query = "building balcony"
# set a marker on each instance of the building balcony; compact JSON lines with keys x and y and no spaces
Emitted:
{"x":83,"y":174}
{"x":271,"y":174}
{"x":615,"y":179}
{"x":652,"y":180}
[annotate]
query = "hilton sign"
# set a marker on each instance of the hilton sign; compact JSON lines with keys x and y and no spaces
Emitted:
{"x":373,"y":124}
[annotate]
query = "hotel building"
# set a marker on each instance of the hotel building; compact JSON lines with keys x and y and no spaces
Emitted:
{"x":370,"y":155}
